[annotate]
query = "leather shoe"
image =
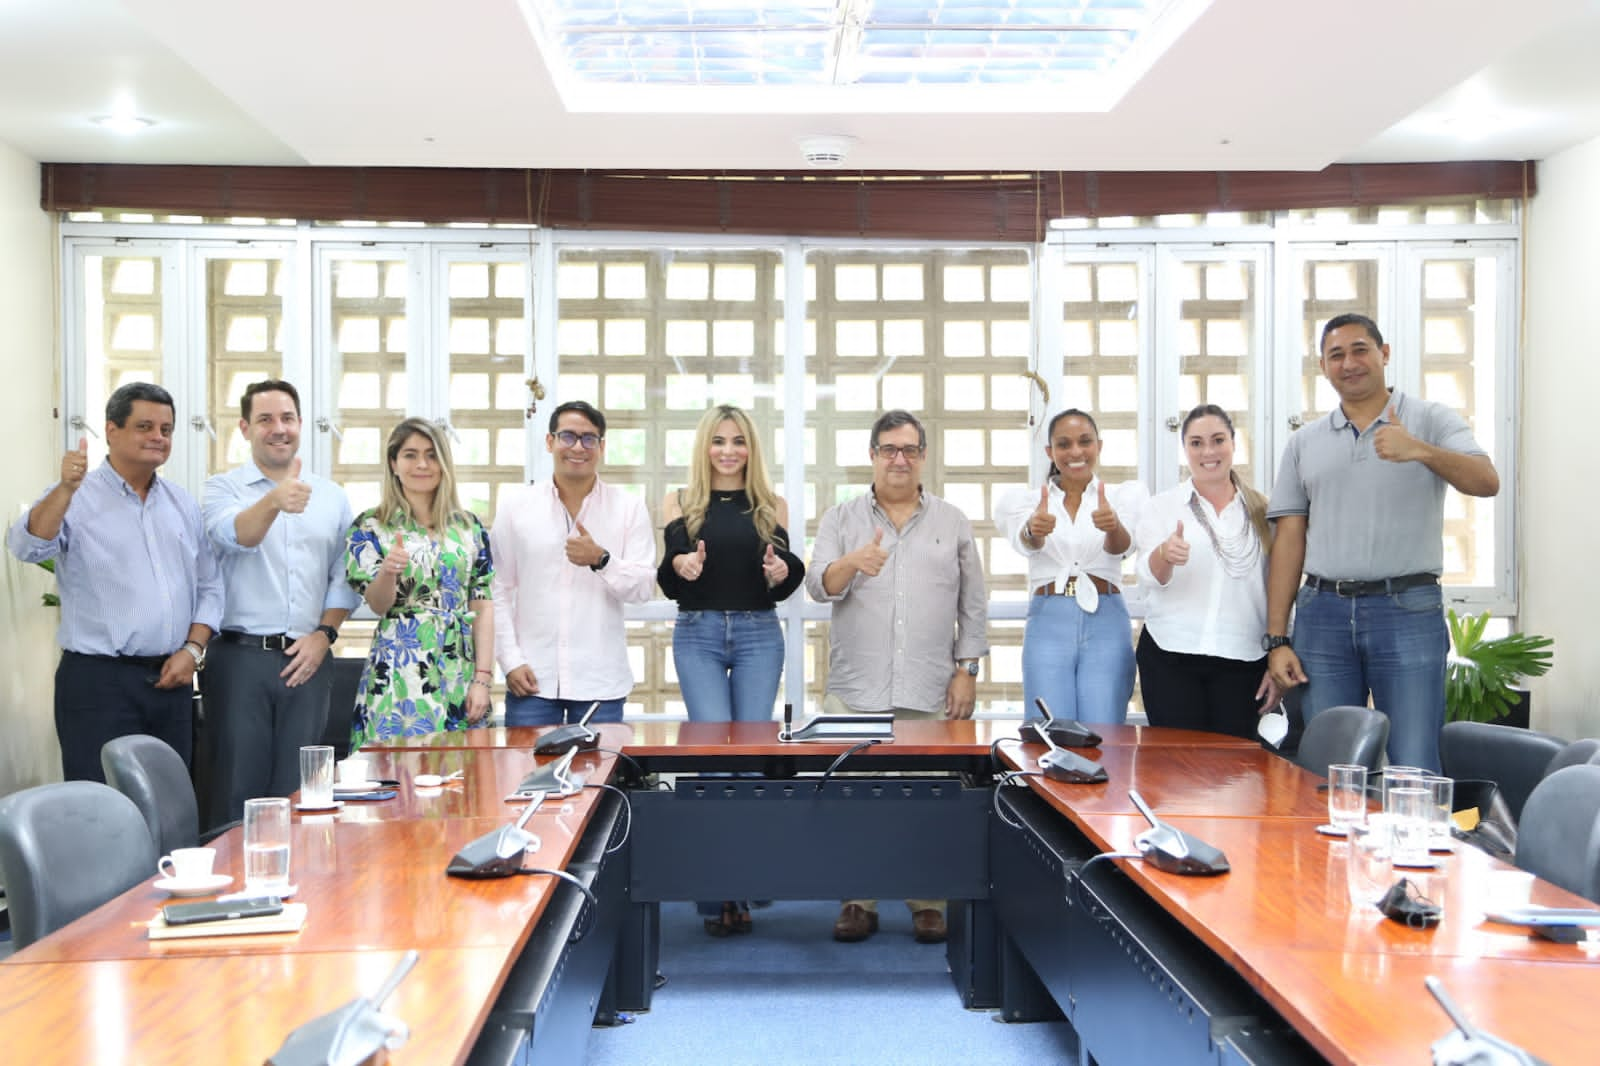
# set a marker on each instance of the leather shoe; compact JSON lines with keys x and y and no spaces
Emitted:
{"x":927,"y":926}
{"x":855,"y":923}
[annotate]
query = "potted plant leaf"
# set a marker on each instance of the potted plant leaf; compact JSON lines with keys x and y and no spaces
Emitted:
{"x":1482,"y":678}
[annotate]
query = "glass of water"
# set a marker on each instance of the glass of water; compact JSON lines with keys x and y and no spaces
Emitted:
{"x":266,"y":846}
{"x":1441,"y":804}
{"x":1347,"y":795}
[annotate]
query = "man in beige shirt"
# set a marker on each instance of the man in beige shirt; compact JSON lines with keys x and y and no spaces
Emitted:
{"x":903,"y":574}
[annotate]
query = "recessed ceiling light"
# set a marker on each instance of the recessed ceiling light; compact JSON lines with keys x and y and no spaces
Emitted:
{"x":123,"y":124}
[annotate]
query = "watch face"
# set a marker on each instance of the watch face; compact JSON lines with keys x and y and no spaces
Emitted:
{"x":971,"y":668}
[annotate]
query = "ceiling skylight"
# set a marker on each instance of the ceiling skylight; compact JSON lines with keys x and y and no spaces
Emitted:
{"x":1087,"y":51}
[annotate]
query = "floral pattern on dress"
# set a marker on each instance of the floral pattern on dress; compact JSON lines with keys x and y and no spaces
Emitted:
{"x":422,"y":656}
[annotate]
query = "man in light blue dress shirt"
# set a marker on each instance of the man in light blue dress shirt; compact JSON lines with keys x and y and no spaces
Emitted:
{"x":140,"y":591}
{"x":280,"y":535}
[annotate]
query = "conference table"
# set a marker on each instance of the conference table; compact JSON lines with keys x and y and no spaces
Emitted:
{"x":1267,"y":963}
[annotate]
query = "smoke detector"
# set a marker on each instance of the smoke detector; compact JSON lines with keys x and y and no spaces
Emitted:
{"x":825,"y":153}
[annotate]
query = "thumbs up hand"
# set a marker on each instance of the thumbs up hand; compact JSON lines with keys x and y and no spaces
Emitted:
{"x":1393,"y":441}
{"x":1175,"y":549}
{"x":1105,"y":519}
{"x":581,"y":548}
{"x":291,"y":494}
{"x":690,"y":566}
{"x":869,"y":558}
{"x":74,"y":465}
{"x":398,"y":558}
{"x":773,"y":566}
{"x":1041,"y":523}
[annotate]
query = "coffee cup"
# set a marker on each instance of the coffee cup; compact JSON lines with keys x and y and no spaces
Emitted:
{"x":187,"y":865}
{"x":354,"y":770}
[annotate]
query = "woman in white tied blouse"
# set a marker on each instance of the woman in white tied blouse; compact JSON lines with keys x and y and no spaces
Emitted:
{"x":1077,"y":649}
{"x":1203,"y":556}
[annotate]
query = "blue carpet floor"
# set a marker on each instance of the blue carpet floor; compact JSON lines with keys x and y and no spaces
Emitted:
{"x":789,"y":995}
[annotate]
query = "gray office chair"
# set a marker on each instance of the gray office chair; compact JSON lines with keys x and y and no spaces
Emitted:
{"x":1354,"y":735}
{"x":1559,"y":835}
{"x":1575,"y":754}
{"x":341,"y":702}
{"x":152,"y":775}
{"x":1514,"y":759}
{"x":67,"y":848}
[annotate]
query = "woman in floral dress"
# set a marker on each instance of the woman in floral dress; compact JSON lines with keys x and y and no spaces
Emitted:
{"x":422,"y":564}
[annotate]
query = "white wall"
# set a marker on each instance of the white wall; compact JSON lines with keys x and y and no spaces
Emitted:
{"x":28,"y":359}
{"x":1558,"y":509}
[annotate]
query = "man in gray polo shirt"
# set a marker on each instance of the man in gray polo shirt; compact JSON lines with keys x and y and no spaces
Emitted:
{"x":1359,"y":508}
{"x":903,"y":574}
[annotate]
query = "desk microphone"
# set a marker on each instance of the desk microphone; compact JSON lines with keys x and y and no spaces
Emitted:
{"x":497,"y":853}
{"x":355,"y":1033}
{"x":575,"y":735}
{"x":1064,"y":731}
{"x":1059,"y":764}
{"x":555,"y":776}
{"x":786,"y":730}
{"x":1467,"y":1045}
{"x":1171,"y":849}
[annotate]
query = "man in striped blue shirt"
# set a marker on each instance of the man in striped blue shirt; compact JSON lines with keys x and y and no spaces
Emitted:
{"x":141,"y":594}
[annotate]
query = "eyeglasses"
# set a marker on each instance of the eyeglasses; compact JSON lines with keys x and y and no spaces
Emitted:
{"x":889,"y":451}
{"x":590,"y":441}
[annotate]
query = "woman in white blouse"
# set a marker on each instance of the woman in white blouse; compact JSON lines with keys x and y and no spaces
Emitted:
{"x":1203,"y":556}
{"x":1077,"y":649}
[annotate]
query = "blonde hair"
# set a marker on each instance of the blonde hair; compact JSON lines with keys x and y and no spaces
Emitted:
{"x":392,"y":504}
{"x":757,"y":483}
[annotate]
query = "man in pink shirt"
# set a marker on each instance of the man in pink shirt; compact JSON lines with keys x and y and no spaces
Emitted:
{"x":568,"y":554}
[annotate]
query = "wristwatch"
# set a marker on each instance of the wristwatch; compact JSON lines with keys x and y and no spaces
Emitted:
{"x":198,"y":650}
{"x":328,"y":631}
{"x":970,"y":666}
{"x":605,"y":557}
{"x":1271,"y":641}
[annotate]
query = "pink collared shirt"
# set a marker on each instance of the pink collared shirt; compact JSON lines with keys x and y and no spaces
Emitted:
{"x":562,"y":620}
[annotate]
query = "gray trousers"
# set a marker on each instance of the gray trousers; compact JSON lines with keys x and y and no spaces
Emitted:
{"x":256,"y":725}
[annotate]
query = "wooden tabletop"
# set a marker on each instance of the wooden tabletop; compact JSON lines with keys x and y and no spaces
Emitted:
{"x":612,"y":735}
{"x":236,"y":1008}
{"x":378,"y":885}
{"x":1239,"y":782}
{"x":488,"y":776}
{"x":1364,"y":1009}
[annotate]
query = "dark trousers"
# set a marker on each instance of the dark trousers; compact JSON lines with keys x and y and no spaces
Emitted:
{"x":1202,"y":692}
{"x":256,"y":725}
{"x":99,"y":698}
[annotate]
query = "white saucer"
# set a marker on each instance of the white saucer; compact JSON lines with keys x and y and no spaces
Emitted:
{"x":1442,"y":847}
{"x":201,"y":887}
{"x":1332,"y":831}
{"x":1426,"y":864}
{"x":335,"y":805}
{"x":358,"y":786}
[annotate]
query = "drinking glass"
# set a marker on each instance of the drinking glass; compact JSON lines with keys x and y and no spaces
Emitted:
{"x":316,"y":776}
{"x":1441,"y":804}
{"x":1407,"y":810}
{"x":1399,"y":777}
{"x":1347,"y":795}
{"x":1368,"y":870}
{"x":266,"y":846}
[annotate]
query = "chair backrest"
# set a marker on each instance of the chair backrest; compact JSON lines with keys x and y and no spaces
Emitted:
{"x":1355,"y":735}
{"x":1514,"y":759}
{"x":1559,"y":835}
{"x":1575,"y":754}
{"x":67,"y":848}
{"x":341,"y":702}
{"x":153,"y":776}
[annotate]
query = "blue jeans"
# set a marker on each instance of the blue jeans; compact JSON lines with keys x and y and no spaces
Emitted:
{"x":1082,"y":664}
{"x":1391,"y":646}
{"x":728,"y":664}
{"x":537,"y":710}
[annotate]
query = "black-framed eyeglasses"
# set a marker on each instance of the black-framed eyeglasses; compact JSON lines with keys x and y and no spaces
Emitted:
{"x":590,"y":441}
{"x":889,"y":451}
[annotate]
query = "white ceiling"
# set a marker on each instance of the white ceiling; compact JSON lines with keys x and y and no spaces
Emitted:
{"x":1254,"y":84}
